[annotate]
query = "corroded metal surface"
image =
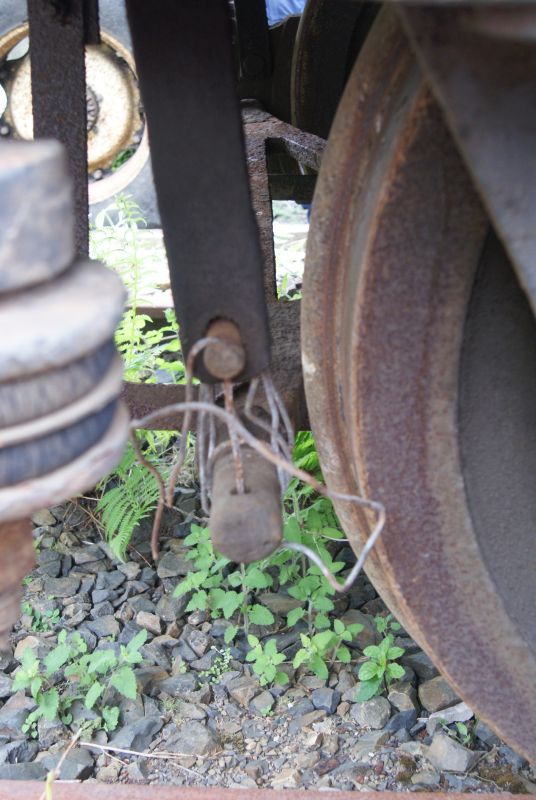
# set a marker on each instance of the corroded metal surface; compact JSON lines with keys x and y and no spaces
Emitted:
{"x":328,"y":40}
{"x":185,"y":66}
{"x":17,"y":559}
{"x":489,"y":102}
{"x":25,"y":790}
{"x":59,"y":93}
{"x":396,"y":239}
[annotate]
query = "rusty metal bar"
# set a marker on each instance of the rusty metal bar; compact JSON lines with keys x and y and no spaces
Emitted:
{"x":29,"y":790}
{"x":185,"y":65}
{"x":57,"y":35}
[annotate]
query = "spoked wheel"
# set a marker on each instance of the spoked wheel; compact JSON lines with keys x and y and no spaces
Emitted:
{"x":419,"y":356}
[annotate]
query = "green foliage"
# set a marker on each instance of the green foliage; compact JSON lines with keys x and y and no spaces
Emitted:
{"x":381,"y":668}
{"x":123,"y":506}
{"x":41,"y":622}
{"x":149,"y":351}
{"x":222,"y":592}
{"x":69,"y":673}
{"x":220,"y":666}
{"x":265,"y":660}
{"x":328,"y":645}
{"x":386,"y":624}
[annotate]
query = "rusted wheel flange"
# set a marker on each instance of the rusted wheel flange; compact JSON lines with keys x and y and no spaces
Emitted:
{"x":398,"y":259}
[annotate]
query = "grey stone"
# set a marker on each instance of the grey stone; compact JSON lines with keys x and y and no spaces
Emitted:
{"x":130,"y":570}
{"x":105,"y":609}
{"x":196,"y":640}
{"x":171,"y":608}
{"x":172,"y":565}
{"x":421,"y":664}
{"x":458,"y":713}
{"x":262,"y":703}
{"x":179,"y":684}
{"x":372,"y":713}
{"x":5,"y":685}
{"x":62,"y":587}
{"x":446,"y":754}
{"x":326,"y":699}
{"x":205,"y":662}
{"x":31,"y":771}
{"x":110,"y":580}
{"x":425,"y":777}
{"x":486,"y":735}
{"x":279,"y":603}
{"x":303,"y":706}
{"x":138,"y":771}
{"x":369,"y":742}
{"x":49,"y":732}
{"x":305,"y":721}
{"x":87,"y":554}
{"x":184,"y":652}
{"x":77,"y":765}
{"x":13,"y":714}
{"x":149,"y":621}
{"x":346,"y":681}
{"x":243,"y":690}
{"x":367,"y":635}
{"x":193,"y":739}
{"x":418,"y":749}
{"x":43,"y":517}
{"x":511,"y":757}
{"x":288,"y":778}
{"x":403,"y":720}
{"x":49,"y":563}
{"x":402,"y":696}
{"x":191,"y":711}
{"x":253,"y":729}
{"x":137,"y":735}
{"x":104,"y":626}
{"x":436,"y":694}
{"x":19,"y":751}
{"x":101,"y":595}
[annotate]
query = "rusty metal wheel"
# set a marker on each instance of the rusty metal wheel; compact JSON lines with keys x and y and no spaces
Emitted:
{"x":419,"y":354}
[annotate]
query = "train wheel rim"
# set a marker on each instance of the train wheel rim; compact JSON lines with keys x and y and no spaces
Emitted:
{"x":397,"y":240}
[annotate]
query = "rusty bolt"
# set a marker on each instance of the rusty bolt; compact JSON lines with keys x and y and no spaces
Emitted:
{"x":226,"y":358}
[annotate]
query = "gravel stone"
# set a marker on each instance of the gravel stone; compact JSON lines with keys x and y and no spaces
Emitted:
{"x":171,"y":608}
{"x":279,"y":603}
{"x":403,"y":720}
{"x":196,"y":640}
{"x":62,"y":587}
{"x":172,"y":565}
{"x":458,"y":713}
{"x":19,"y":751}
{"x":137,"y":735}
{"x":486,"y":735}
{"x":13,"y":714}
{"x":305,"y":721}
{"x":130,"y":570}
{"x":373,"y":713}
{"x":23,"y":772}
{"x":5,"y":685}
{"x":104,"y":626}
{"x":243,"y":690}
{"x":77,"y":765}
{"x":446,"y":754}
{"x":149,"y":621}
{"x":421,"y":664}
{"x":193,"y":739}
{"x":326,"y":699}
{"x":260,"y":704}
{"x":43,"y":517}
{"x":402,"y":696}
{"x":436,"y":694}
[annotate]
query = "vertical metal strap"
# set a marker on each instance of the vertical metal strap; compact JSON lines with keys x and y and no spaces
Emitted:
{"x":57,"y":37}
{"x":185,"y":67}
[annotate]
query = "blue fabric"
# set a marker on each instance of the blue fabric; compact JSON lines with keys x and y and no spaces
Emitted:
{"x":277,"y":10}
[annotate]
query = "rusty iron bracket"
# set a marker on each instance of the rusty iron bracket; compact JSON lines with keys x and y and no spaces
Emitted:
{"x":58,"y":72}
{"x":185,"y":66}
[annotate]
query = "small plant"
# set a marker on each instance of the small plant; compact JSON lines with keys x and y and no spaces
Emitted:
{"x":80,"y":676}
{"x":381,"y":668}
{"x":461,"y":732}
{"x":41,"y":622}
{"x":326,"y":646}
{"x":220,"y":666}
{"x":123,"y":506}
{"x":386,"y":624}
{"x":265,"y":660}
